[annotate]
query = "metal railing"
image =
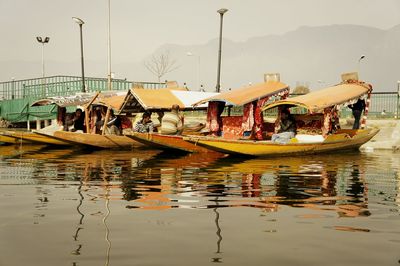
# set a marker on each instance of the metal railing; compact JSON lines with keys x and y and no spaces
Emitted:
{"x":16,"y":96}
{"x":64,"y":85}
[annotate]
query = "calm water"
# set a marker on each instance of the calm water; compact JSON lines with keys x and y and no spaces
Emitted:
{"x":144,"y":207}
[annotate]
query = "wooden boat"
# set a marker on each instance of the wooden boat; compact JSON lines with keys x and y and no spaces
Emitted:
{"x":97,"y":140}
{"x":111,"y":100}
{"x":322,"y":106}
{"x":248,"y":95}
{"x":161,"y":100}
{"x":160,"y":141}
{"x":36,"y":137}
{"x":341,"y":140}
{"x":5,"y":138}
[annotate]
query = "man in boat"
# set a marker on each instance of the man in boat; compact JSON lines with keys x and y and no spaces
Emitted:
{"x":287,"y":128}
{"x":77,"y":120}
{"x":145,"y":125}
{"x":114,"y":125}
{"x":357,"y":110}
{"x":172,"y":122}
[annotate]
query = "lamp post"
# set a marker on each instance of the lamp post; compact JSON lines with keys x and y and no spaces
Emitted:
{"x":359,"y":63}
{"x":398,"y":99}
{"x":80,"y":23}
{"x":109,"y":48}
{"x":43,"y":41}
{"x":221,"y":12}
{"x":198,"y":67}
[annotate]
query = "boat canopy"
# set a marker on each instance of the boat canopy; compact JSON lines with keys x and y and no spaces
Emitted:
{"x":317,"y":101}
{"x":114,"y":101}
{"x":247,"y":94}
{"x":76,"y":99}
{"x":139,"y":100}
{"x":66,"y":101}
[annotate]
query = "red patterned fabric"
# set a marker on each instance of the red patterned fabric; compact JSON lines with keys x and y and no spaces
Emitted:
{"x":125,"y":122}
{"x":214,"y":121}
{"x":232,"y":127}
{"x":248,"y":117}
{"x":327,"y":126}
{"x":259,"y":119}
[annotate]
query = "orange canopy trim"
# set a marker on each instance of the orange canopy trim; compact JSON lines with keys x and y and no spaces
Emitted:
{"x":317,"y":101}
{"x":248,"y":94}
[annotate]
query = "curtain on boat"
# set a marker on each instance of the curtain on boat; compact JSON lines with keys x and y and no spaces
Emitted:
{"x":214,"y":121}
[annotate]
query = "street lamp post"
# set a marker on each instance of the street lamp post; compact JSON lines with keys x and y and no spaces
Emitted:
{"x":359,"y":63}
{"x":43,"y":41}
{"x":198,"y":67}
{"x":80,"y":23}
{"x":398,"y":99}
{"x":221,"y":11}
{"x":109,"y":48}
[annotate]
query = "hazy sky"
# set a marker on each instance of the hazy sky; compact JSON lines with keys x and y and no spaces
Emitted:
{"x":138,"y":27}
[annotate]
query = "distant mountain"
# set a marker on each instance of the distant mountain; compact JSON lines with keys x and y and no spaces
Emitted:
{"x":311,"y":55}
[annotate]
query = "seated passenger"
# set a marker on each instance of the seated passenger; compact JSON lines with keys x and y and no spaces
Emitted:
{"x":287,"y":128}
{"x":114,"y":125}
{"x":172,"y":122}
{"x":77,"y":120}
{"x":144,"y":125}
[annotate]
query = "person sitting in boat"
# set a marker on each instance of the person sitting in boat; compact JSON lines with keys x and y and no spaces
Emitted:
{"x":79,"y":120}
{"x":144,"y":125}
{"x":357,"y":110}
{"x":114,"y":125}
{"x":287,"y":128}
{"x":172,"y":122}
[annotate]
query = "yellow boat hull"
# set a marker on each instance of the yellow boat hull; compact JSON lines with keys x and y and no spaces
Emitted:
{"x":4,"y":138}
{"x":96,"y":140}
{"x":161,"y":141}
{"x":33,"y":137}
{"x":344,"y":140}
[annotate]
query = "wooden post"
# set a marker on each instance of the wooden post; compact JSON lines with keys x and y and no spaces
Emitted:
{"x":87,"y":108}
{"x":106,"y":120}
{"x":87,"y":119}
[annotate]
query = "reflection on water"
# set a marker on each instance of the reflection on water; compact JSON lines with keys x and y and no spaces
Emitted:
{"x":122,"y":188}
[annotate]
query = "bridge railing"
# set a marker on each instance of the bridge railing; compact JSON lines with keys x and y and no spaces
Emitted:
{"x":63,"y":85}
{"x":16,"y":96}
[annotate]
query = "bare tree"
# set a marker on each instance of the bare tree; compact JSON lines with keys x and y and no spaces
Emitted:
{"x":160,"y":64}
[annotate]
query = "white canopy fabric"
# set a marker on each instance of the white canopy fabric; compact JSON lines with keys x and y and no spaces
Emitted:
{"x":188,"y":98}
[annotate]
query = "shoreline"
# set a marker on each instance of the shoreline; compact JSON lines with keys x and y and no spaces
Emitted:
{"x":388,"y":137}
